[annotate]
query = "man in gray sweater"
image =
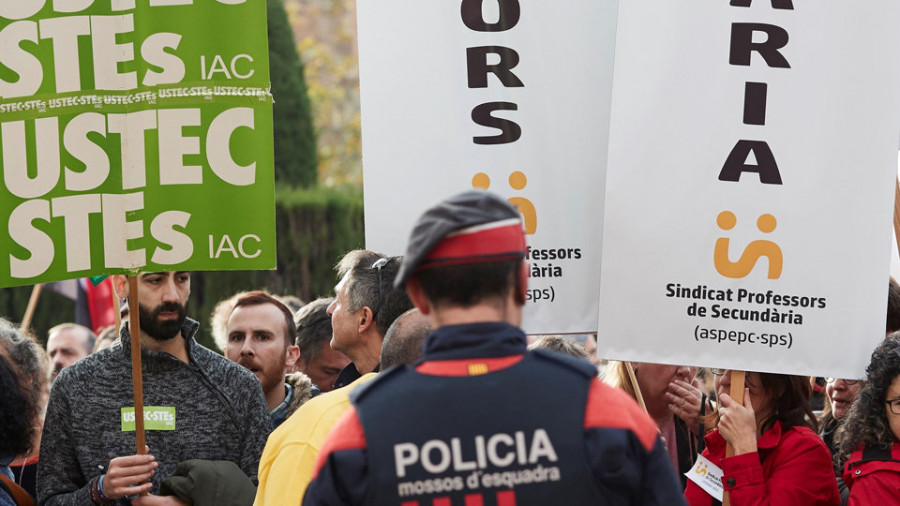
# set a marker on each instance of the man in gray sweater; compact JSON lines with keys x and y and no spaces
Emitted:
{"x":197,"y":405}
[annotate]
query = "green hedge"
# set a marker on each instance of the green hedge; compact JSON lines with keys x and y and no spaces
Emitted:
{"x":314,"y":227}
{"x":296,"y":160}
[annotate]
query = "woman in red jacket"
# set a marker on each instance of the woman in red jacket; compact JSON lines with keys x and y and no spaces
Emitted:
{"x":778,"y":458}
{"x":869,"y":439}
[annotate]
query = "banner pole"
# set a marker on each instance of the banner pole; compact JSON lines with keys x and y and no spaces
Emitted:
{"x":635,"y":386}
{"x":897,"y":213}
{"x":117,"y":308}
{"x":134,"y":324}
{"x":737,"y":393}
{"x":29,"y":310}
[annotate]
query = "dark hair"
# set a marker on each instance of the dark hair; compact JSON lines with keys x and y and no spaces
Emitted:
{"x":364,"y":290}
{"x":292,"y":302}
{"x":790,"y":401}
{"x":866,"y":423}
{"x":18,"y":411}
{"x":259,"y":297}
{"x":313,"y":328}
{"x":469,"y":284}
{"x":404,"y":341}
{"x":893,"y":307}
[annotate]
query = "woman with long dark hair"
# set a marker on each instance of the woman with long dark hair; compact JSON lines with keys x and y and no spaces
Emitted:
{"x":869,"y":439}
{"x":17,"y":413}
{"x":778,"y":458}
{"x":30,"y":360}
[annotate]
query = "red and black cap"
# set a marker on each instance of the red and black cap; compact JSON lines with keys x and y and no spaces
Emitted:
{"x":472,"y":227}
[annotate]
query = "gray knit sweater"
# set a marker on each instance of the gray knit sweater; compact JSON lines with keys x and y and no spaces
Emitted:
{"x":219,"y":410}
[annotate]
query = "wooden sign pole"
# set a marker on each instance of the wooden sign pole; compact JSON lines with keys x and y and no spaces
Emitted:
{"x":635,"y":386}
{"x":897,"y":214}
{"x":29,"y":310}
{"x":134,"y":328}
{"x":117,"y":315}
{"x":737,"y":393}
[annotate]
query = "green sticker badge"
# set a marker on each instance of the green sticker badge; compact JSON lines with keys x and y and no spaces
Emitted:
{"x":155,"y":418}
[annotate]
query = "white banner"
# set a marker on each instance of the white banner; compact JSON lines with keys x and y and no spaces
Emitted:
{"x":753,"y":151}
{"x":510,"y":96}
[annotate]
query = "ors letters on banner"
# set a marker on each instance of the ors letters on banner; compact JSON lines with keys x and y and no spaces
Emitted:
{"x":479,"y":68}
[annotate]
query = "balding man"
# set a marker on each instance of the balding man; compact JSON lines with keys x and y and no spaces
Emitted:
{"x":68,"y":343}
{"x":403,"y":342}
{"x":287,"y":462}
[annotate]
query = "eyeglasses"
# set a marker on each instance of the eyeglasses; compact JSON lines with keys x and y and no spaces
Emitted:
{"x":381,"y":262}
{"x":848,"y":382}
{"x":895,"y":406}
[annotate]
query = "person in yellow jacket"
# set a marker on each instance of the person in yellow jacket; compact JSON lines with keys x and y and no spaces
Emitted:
{"x":289,"y":458}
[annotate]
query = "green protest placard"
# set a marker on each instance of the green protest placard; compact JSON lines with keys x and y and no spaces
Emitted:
{"x":134,"y":136}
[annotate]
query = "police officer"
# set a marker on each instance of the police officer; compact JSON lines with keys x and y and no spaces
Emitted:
{"x":481,"y":420}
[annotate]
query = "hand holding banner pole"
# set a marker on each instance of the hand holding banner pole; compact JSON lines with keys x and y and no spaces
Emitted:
{"x":134,"y":328}
{"x":737,"y":393}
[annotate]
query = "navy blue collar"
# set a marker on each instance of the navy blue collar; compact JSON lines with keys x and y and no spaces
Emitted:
{"x":474,"y":340}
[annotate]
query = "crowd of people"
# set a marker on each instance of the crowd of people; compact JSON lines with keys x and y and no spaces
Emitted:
{"x":414,"y":385}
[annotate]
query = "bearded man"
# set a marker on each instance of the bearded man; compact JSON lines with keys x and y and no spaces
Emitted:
{"x":197,"y":405}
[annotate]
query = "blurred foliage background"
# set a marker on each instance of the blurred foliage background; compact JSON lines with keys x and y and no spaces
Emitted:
{"x":318,"y":168}
{"x":325,"y":31}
